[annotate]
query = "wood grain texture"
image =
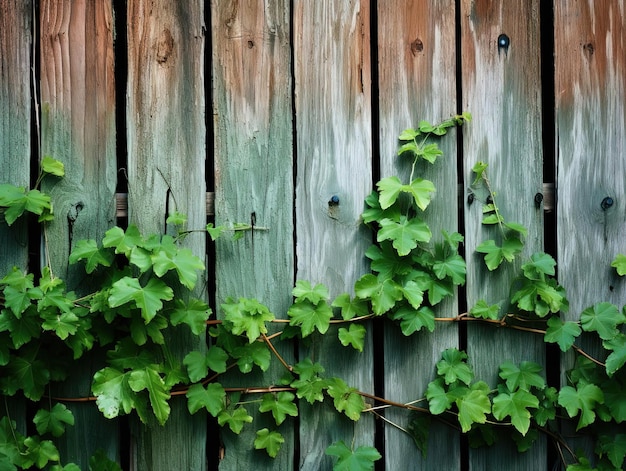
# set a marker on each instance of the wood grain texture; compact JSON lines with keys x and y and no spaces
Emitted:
{"x":334,"y":146}
{"x":15,"y":152}
{"x":252,"y":118}
{"x":502,"y":89}
{"x":166,"y":140}
{"x":416,"y":69}
{"x":15,"y":121}
{"x":78,"y":128}
{"x":590,"y":112}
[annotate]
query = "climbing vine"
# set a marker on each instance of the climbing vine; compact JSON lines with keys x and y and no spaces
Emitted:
{"x":145,"y":288}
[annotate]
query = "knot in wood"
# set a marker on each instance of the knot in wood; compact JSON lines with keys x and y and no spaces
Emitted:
{"x":165,"y":46}
{"x":417,"y":46}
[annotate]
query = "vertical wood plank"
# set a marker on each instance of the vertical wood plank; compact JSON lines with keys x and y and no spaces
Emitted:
{"x":590,"y":85}
{"x":502,"y":89}
{"x":252,"y":121}
{"x":166,"y":140}
{"x":334,"y":145}
{"x":78,"y":128}
{"x":417,"y":81}
{"x":15,"y":127}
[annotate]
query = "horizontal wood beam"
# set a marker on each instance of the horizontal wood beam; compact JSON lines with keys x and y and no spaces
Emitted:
{"x":121,"y":200}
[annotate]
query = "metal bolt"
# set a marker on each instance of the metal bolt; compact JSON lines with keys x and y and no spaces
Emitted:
{"x":334,"y":200}
{"x":606,"y":203}
{"x":538,"y":199}
{"x":503,"y":41}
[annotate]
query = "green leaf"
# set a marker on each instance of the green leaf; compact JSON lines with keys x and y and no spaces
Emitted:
{"x":617,"y":358}
{"x":353,"y":335}
{"x":113,"y":394}
{"x":479,"y":169}
{"x":375,"y":213}
{"x":62,"y":324}
{"x":176,"y":219}
{"x":389,"y":189}
{"x":413,"y":320}
{"x":582,"y":399}
{"x":602,"y":318}
{"x":310,"y":316}
{"x":54,"y":420}
{"x":194,"y":313}
{"x":235,"y":419}
{"x":247,"y":316}
{"x":311,"y":389}
{"x":124,"y":241}
{"x":148,"y":378}
{"x":52,"y":166}
{"x":280,"y":405}
{"x":408,"y":134}
{"x":438,"y":399}
{"x":430,"y":152}
{"x":40,"y":451}
{"x":350,"y":308}
{"x":524,"y":376}
{"x":252,"y":354}
{"x":404,"y":234}
{"x":212,"y":398}
{"x":515,"y":405}
{"x":89,"y":251}
{"x":27,"y":372}
{"x":619,"y":263}
{"x":268,"y":441}
{"x":148,"y":298}
{"x":384,"y":293}
{"x":564,"y":333}
{"x":614,"y":447}
{"x":482,"y":310}
{"x":303,"y":291}
{"x":99,"y":461}
{"x":453,"y":267}
{"x":419,"y":430}
{"x":541,"y":264}
{"x":495,"y":255}
{"x":421,"y":190}
{"x":361,"y":459}
{"x":198,"y":363}
{"x":474,"y":406}
{"x":453,"y":367}
{"x":345,"y":398}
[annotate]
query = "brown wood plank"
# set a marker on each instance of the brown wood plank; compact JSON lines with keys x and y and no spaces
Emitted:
{"x":166,"y":173}
{"x":78,"y":128}
{"x":252,"y":120}
{"x":15,"y":121}
{"x":334,"y":145}
{"x":416,"y":68}
{"x":501,"y":87}
{"x":590,"y":84}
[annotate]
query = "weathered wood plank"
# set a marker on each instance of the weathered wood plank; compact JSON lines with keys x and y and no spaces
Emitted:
{"x":502,"y":88}
{"x":253,"y":183}
{"x":166,"y":139}
{"x":78,"y":128}
{"x":15,"y":122}
{"x":590,"y":115}
{"x":334,"y":145}
{"x":416,"y":70}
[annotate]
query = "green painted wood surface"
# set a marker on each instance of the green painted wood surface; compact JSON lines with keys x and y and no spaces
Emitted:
{"x":252,"y":121}
{"x":590,"y":118}
{"x":78,"y":128}
{"x":416,"y":69}
{"x":334,"y":147}
{"x":166,"y":139}
{"x":502,"y":89}
{"x":15,"y":152}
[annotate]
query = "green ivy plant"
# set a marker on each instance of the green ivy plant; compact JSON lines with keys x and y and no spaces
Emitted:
{"x":145,"y":288}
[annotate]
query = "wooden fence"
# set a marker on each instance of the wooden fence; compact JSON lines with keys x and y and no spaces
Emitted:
{"x":271,"y":108}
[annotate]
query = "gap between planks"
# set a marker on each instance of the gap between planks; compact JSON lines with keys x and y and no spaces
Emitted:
{"x":121,"y":200}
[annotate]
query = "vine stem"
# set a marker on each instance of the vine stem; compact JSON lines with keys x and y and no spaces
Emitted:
{"x":276,"y":354}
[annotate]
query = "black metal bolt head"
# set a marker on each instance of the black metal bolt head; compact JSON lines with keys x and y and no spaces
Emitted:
{"x":503,"y":41}
{"x":606,"y":203}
